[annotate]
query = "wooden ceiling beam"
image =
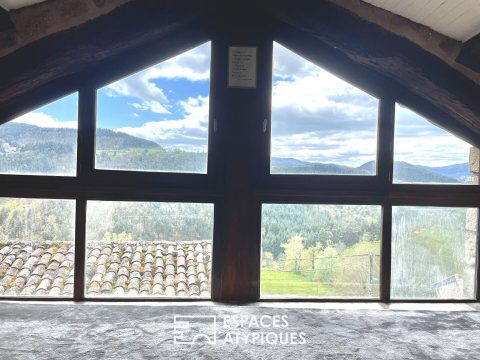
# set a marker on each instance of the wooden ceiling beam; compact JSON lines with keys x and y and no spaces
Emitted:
{"x":382,"y":61}
{"x":470,"y":54}
{"x":132,"y":36}
{"x":5,"y":22}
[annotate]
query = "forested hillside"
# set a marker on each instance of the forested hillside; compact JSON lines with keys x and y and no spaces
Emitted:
{"x":51,"y":150}
{"x":404,"y":172}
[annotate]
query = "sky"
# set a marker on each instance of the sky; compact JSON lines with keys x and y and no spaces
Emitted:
{"x":316,"y":116}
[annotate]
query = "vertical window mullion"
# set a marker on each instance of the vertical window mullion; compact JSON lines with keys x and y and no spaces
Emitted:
{"x":386,"y":252}
{"x":79,"y":272}
{"x":386,"y":131}
{"x":85,"y":166}
{"x":477,"y":270}
{"x":87,"y":106}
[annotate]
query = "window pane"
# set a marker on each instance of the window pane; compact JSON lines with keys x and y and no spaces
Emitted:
{"x":37,"y":247}
{"x":157,"y":119}
{"x":320,"y":123}
{"x":425,"y":153}
{"x":139,"y":249}
{"x":42,"y":142}
{"x":320,"y":250}
{"x":433,"y":252}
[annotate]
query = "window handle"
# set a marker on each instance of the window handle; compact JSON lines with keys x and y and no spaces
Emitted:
{"x":264,"y":125}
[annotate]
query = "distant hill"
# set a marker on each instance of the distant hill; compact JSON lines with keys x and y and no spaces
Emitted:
{"x":280,"y":162}
{"x":36,"y":150}
{"x":112,"y":140}
{"x":50,"y":150}
{"x":405,"y":172}
{"x":317,"y":168}
{"x":457,"y":171}
{"x":19,"y":135}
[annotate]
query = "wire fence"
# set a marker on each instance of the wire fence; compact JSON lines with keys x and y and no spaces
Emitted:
{"x":357,"y":274}
{"x":369,"y":261}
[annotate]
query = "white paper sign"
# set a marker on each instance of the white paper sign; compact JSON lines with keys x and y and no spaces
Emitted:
{"x":242,"y":66}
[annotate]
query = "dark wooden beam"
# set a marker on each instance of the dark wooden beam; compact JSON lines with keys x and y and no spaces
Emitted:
{"x":80,"y":249}
{"x":7,"y":28}
{"x":470,"y":54}
{"x":127,"y":39}
{"x":239,"y":152}
{"x":5,"y":22}
{"x":382,"y":61}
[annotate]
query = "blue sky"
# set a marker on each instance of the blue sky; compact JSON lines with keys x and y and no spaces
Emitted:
{"x":315,"y":115}
{"x":116,"y":111}
{"x":166,"y":103}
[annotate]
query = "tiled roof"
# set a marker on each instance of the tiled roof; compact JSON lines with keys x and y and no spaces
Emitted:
{"x":32,"y":269}
{"x":112,"y":269}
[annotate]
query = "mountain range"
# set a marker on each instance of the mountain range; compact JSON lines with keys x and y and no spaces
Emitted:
{"x":404,"y":172}
{"x":29,"y":144}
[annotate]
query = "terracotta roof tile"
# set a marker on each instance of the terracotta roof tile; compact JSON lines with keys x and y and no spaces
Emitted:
{"x":112,"y":269}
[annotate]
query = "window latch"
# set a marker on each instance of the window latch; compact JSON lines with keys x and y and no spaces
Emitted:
{"x":264,"y":125}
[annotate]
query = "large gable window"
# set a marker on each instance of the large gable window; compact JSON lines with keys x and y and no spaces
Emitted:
{"x":187,"y":188}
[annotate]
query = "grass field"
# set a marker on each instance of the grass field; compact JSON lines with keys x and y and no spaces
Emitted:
{"x":275,"y":282}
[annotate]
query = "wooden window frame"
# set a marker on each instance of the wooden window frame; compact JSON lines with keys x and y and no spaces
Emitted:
{"x":238,"y":179}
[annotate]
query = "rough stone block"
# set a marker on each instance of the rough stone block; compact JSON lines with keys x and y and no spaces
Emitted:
{"x":474,"y":180}
{"x":474,"y":160}
{"x":472,"y":220}
{"x":469,"y":282}
{"x":470,"y":248}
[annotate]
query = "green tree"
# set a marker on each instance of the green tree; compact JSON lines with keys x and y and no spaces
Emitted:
{"x":293,"y":250}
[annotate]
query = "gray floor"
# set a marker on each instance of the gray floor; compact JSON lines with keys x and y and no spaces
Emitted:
{"x":125,"y":331}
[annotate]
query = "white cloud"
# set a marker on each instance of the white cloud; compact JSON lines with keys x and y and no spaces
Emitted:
{"x":141,"y":87}
{"x":419,"y":142}
{"x":188,"y":133}
{"x":431,"y":151}
{"x":319,"y":117}
{"x":152,"y":105}
{"x":289,"y":65}
{"x":341,"y":149}
{"x":45,"y":120}
{"x":193,"y":65}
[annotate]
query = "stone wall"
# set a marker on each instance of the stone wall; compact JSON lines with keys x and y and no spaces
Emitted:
{"x":472,"y":229}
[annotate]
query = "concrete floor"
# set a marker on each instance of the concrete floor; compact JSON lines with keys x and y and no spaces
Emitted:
{"x":260,"y":331}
